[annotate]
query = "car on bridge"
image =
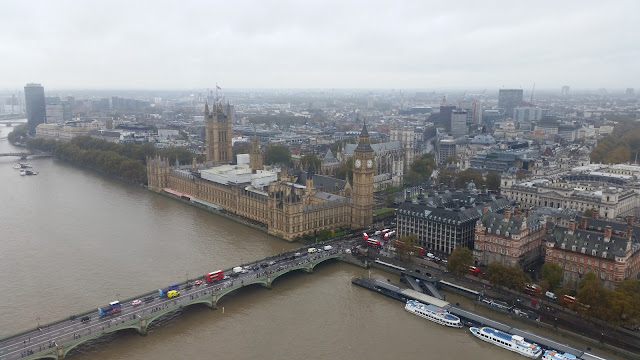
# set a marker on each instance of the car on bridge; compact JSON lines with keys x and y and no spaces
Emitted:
{"x":85,"y":318}
{"x":136,"y":302}
{"x":197,"y":282}
{"x":173,"y":293}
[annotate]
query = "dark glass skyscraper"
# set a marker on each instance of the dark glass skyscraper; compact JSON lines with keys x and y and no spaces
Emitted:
{"x":508,"y":99}
{"x":36,"y":110}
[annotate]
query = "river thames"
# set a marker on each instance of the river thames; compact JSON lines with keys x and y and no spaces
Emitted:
{"x":72,"y":239}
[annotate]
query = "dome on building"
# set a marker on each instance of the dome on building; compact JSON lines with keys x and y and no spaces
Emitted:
{"x":483,"y":139}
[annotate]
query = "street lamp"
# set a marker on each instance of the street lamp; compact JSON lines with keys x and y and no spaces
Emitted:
{"x":38,"y":320}
{"x":118,"y":297}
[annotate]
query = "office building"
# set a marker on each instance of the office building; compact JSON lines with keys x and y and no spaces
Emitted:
{"x":445,"y":114}
{"x":459,"y":124}
{"x":36,"y":108}
{"x":508,"y":99}
{"x":447,"y":220}
{"x":526,"y":113}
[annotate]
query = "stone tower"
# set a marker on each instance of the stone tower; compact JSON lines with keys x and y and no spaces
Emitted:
{"x":405,"y":135}
{"x":255,"y":156}
{"x":362,"y":189}
{"x":157,"y":173}
{"x":218,"y":134}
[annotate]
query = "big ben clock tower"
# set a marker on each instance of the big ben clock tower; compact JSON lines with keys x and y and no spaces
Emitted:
{"x":362,"y":192}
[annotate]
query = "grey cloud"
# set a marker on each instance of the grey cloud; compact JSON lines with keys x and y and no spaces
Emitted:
{"x":310,"y":44}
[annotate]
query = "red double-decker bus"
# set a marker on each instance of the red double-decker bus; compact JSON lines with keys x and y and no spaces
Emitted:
{"x":216,"y":275}
{"x":373,"y":242}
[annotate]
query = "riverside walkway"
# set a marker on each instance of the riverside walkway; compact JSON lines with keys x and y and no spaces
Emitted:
{"x":55,"y":340}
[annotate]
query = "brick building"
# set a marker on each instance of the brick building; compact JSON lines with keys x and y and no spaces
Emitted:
{"x":609,"y":249}
{"x":510,"y":238}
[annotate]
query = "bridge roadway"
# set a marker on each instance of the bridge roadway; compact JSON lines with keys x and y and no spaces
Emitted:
{"x":55,"y":340}
{"x":24,"y":155}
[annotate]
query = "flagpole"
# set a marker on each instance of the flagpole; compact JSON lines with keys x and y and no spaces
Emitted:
{"x":216,"y":92}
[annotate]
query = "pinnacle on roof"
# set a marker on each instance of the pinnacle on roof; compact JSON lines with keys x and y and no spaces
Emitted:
{"x":364,"y":131}
{"x":329,"y":156}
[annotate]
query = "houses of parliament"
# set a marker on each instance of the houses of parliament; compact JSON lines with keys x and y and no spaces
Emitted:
{"x":289,"y":205}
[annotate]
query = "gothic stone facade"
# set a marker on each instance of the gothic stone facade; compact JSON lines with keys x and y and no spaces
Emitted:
{"x":287,"y":209}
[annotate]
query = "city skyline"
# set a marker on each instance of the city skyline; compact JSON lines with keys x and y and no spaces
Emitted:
{"x":341,"y":45}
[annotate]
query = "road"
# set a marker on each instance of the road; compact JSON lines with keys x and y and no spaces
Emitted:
{"x":48,"y":337}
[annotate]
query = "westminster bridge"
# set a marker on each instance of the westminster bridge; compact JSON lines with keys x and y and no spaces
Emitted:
{"x":55,"y":340}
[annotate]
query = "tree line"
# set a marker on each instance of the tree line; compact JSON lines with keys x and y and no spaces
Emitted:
{"x":620,"y":147}
{"x":127,"y":161}
{"x":593,"y":300}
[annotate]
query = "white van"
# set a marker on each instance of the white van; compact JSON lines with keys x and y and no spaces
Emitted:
{"x":431,"y":256}
{"x":550,"y":295}
{"x":312,"y":250}
{"x":327,"y":247}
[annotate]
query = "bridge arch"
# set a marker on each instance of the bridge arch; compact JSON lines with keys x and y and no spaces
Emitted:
{"x":306,"y":267}
{"x":326,"y":258}
{"x":257,"y":281}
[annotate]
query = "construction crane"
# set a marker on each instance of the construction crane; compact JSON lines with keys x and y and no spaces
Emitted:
{"x":462,"y":98}
{"x":530,"y":103}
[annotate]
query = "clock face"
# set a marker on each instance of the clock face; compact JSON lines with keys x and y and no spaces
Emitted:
{"x":369,"y":163}
{"x":358,"y":163}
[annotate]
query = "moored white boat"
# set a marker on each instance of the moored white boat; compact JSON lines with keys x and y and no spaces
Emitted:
{"x":507,"y":341}
{"x":433,"y":313}
{"x":555,"y":355}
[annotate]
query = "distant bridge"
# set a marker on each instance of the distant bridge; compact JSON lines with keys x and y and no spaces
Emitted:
{"x":24,"y":155}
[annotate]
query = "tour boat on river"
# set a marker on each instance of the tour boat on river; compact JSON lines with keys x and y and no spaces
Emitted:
{"x":433,"y":313}
{"x":555,"y":355}
{"x":514,"y":343}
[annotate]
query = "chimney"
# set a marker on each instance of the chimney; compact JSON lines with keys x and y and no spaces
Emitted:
{"x":528,"y":212}
{"x":516,"y":211}
{"x":507,"y":214}
{"x":629,"y":231}
{"x":485,"y":209}
{"x":583,"y":223}
{"x":572,"y":226}
{"x":607,"y":233}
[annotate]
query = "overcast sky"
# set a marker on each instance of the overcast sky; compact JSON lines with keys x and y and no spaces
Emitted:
{"x":319,"y":44}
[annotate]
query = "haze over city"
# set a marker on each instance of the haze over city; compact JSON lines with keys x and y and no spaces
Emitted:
{"x":329,"y":44}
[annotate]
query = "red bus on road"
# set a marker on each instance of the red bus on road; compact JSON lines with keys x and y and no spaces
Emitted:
{"x":373,"y":242}
{"x":216,"y":275}
{"x":475,"y":271}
